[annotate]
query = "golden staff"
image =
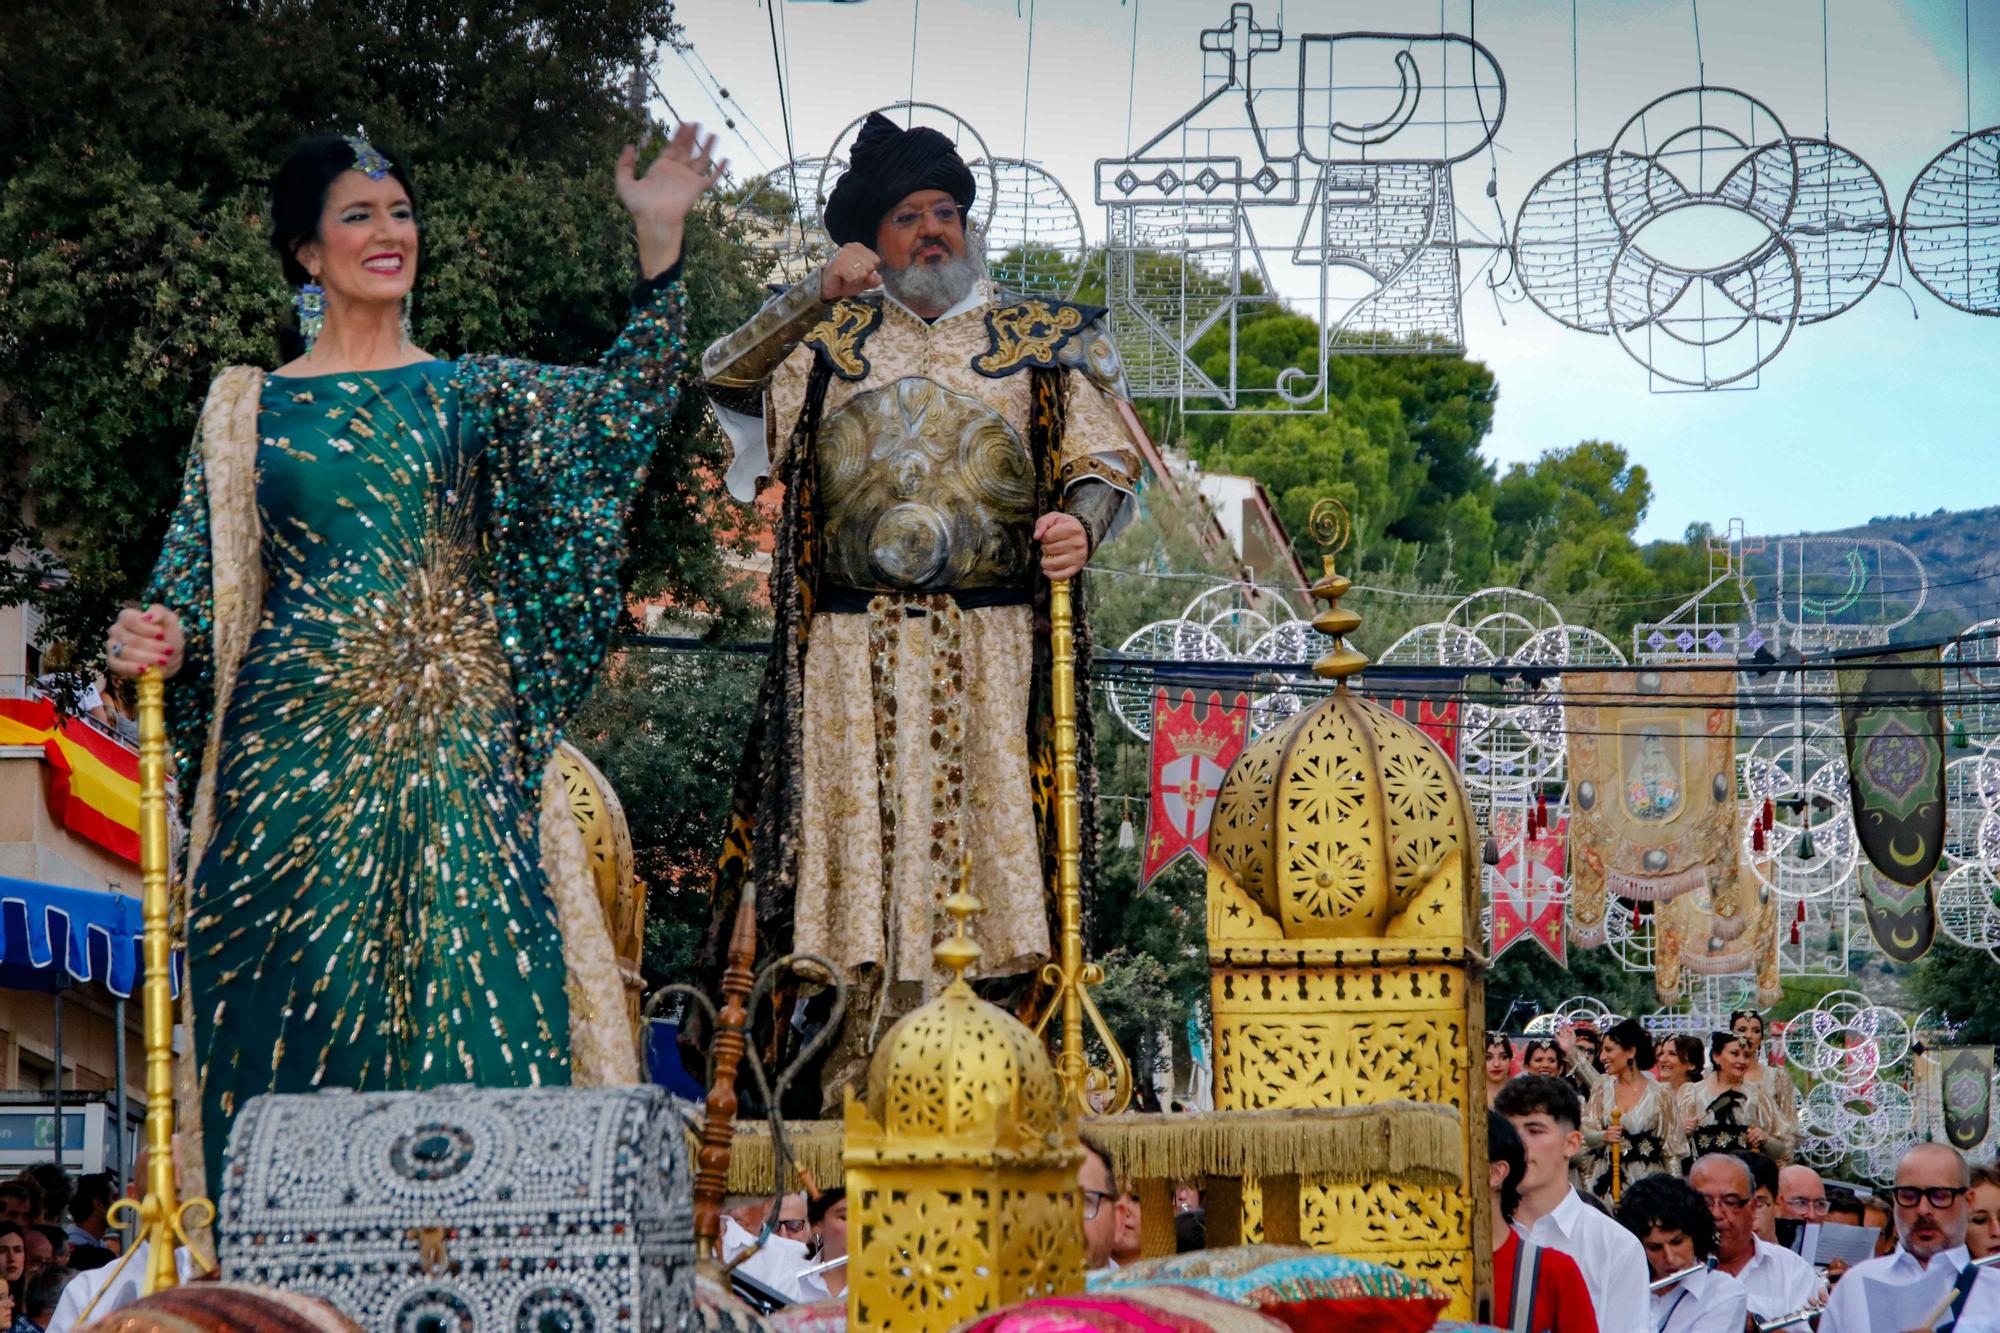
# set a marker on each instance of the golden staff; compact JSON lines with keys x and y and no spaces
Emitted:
{"x":1069,"y":975}
{"x":1617,"y":1157}
{"x":163,"y":1220}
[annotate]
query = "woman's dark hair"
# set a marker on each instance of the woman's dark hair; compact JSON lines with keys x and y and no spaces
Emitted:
{"x":1503,"y":1144}
{"x":1534,"y":1044}
{"x":1667,"y":1203}
{"x":1718,"y":1042}
{"x":818,"y":1207}
{"x":1736,"y":1015}
{"x":1499,"y":1041}
{"x":298,"y":197}
{"x":1631,"y":1034}
{"x":1688,"y":1047}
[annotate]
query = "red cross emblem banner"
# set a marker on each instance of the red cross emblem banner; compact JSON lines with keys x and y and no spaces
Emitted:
{"x":1526,"y":887}
{"x":1193,"y":746}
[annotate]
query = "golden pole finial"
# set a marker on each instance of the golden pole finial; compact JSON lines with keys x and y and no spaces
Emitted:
{"x":1069,"y":976}
{"x":163,"y":1220}
{"x":1330,"y":528}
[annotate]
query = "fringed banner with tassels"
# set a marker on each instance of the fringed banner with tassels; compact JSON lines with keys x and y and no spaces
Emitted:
{"x":1965,"y":1093}
{"x":1652,"y":773}
{"x":1526,"y":885}
{"x":1892,"y":714}
{"x":1194,"y":743}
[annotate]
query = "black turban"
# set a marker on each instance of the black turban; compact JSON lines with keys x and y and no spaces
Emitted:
{"x":887,"y":166}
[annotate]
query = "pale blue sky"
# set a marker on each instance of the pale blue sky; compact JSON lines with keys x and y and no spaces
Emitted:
{"x":1867,"y":414}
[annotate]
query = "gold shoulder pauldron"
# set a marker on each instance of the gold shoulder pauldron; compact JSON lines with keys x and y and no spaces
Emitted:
{"x":839,"y":338}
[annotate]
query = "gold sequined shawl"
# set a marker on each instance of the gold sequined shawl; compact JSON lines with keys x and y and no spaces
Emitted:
{"x":602,"y":1050}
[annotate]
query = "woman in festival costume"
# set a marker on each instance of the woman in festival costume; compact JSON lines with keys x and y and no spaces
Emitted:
{"x":1499,"y":1064}
{"x":1678,"y":1062}
{"x":1749,"y":1025}
{"x":1723,"y":1113}
{"x":388,"y":582}
{"x":1582,"y":1057}
{"x":1647,"y":1132}
{"x":1541,"y":1055}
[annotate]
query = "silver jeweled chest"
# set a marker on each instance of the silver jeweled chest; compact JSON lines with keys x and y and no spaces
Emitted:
{"x":467,"y":1210}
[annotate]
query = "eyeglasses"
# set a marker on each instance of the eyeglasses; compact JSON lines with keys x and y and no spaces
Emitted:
{"x":793,"y":1226}
{"x":1815,"y":1207}
{"x":1730,"y":1201}
{"x":945,"y":215}
{"x":1093,"y":1200}
{"x":1940,"y":1196}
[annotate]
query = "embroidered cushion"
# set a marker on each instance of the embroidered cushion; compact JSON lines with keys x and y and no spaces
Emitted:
{"x":1136,"y":1309}
{"x":1306,"y":1290}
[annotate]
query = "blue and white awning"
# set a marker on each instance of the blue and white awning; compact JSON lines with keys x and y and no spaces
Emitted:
{"x":51,"y":935}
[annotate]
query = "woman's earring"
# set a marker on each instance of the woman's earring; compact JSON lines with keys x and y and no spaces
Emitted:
{"x":406,"y":321}
{"x":311,"y":304}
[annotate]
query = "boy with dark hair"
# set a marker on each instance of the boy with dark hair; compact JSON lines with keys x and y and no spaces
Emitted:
{"x":1546,"y":1114}
{"x":90,"y":1208}
{"x":1535,"y":1290}
{"x":1673,"y":1223}
{"x":1763,"y":1189}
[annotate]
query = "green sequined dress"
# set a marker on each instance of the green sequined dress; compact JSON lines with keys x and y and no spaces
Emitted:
{"x":440,"y":546}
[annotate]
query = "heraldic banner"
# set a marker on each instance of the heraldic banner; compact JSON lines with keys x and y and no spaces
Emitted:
{"x":1428,"y":704}
{"x":1652,"y":781}
{"x":1965,"y":1092}
{"x":1526,"y":886}
{"x":1193,"y":747}
{"x":1892,"y":713}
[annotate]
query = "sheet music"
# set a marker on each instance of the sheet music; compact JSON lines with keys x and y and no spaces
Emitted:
{"x":1820,"y":1243}
{"x":1900,"y":1306}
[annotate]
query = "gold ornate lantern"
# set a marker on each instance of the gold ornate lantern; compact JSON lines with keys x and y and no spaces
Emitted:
{"x":960,"y":1164}
{"x":1342,"y":911}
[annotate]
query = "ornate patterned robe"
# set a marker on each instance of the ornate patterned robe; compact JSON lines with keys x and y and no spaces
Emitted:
{"x":918,"y":585}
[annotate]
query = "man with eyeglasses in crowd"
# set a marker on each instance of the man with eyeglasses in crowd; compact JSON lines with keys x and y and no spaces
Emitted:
{"x":1776,"y":1281}
{"x":1932,"y":1181}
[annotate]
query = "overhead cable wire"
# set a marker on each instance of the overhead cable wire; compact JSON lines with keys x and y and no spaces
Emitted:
{"x":778,"y":65}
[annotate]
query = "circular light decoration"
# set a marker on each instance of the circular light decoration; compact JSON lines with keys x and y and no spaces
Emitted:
{"x":1564,"y":241}
{"x":1801,"y":769}
{"x":780,"y":216}
{"x":1840,"y":229}
{"x":1951,"y":224}
{"x":1035,"y":244}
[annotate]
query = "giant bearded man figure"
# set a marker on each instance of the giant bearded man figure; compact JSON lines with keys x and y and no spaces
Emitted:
{"x":945,"y":450}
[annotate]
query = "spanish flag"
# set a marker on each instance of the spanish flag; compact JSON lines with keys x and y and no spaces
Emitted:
{"x":93,"y":780}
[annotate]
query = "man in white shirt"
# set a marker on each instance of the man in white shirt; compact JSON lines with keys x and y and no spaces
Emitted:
{"x":103,"y":1290}
{"x":1932,"y":1181}
{"x":1545,"y":1112}
{"x":1674,"y":1225}
{"x":1775,"y":1280}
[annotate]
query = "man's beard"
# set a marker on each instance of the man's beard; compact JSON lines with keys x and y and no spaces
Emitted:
{"x":937,"y":287}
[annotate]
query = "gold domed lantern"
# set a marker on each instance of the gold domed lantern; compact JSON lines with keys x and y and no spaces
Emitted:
{"x":1342,"y":910}
{"x":960,"y":1164}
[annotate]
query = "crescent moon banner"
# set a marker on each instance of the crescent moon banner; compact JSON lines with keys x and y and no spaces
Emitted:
{"x":1892,"y":714}
{"x":1965,"y":1091}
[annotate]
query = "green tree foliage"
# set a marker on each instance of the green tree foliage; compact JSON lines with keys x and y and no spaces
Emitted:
{"x":667,"y":728}
{"x":1957,"y":982}
{"x":136,"y":144}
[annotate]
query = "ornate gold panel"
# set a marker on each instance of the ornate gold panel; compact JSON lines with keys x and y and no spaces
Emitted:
{"x":946,"y":1273}
{"x":1295,"y":991}
{"x":1262,"y":1064}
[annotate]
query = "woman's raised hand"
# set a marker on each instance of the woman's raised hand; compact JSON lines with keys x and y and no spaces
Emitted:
{"x":145,"y":638}
{"x":660,"y":199}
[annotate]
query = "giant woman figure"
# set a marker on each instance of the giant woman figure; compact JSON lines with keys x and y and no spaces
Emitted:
{"x":387,"y":583}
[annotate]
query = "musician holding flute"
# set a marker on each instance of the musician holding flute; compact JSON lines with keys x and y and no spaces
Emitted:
{"x":1690,"y":1295}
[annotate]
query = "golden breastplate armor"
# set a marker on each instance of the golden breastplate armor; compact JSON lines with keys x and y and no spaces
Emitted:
{"x":924,"y":490}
